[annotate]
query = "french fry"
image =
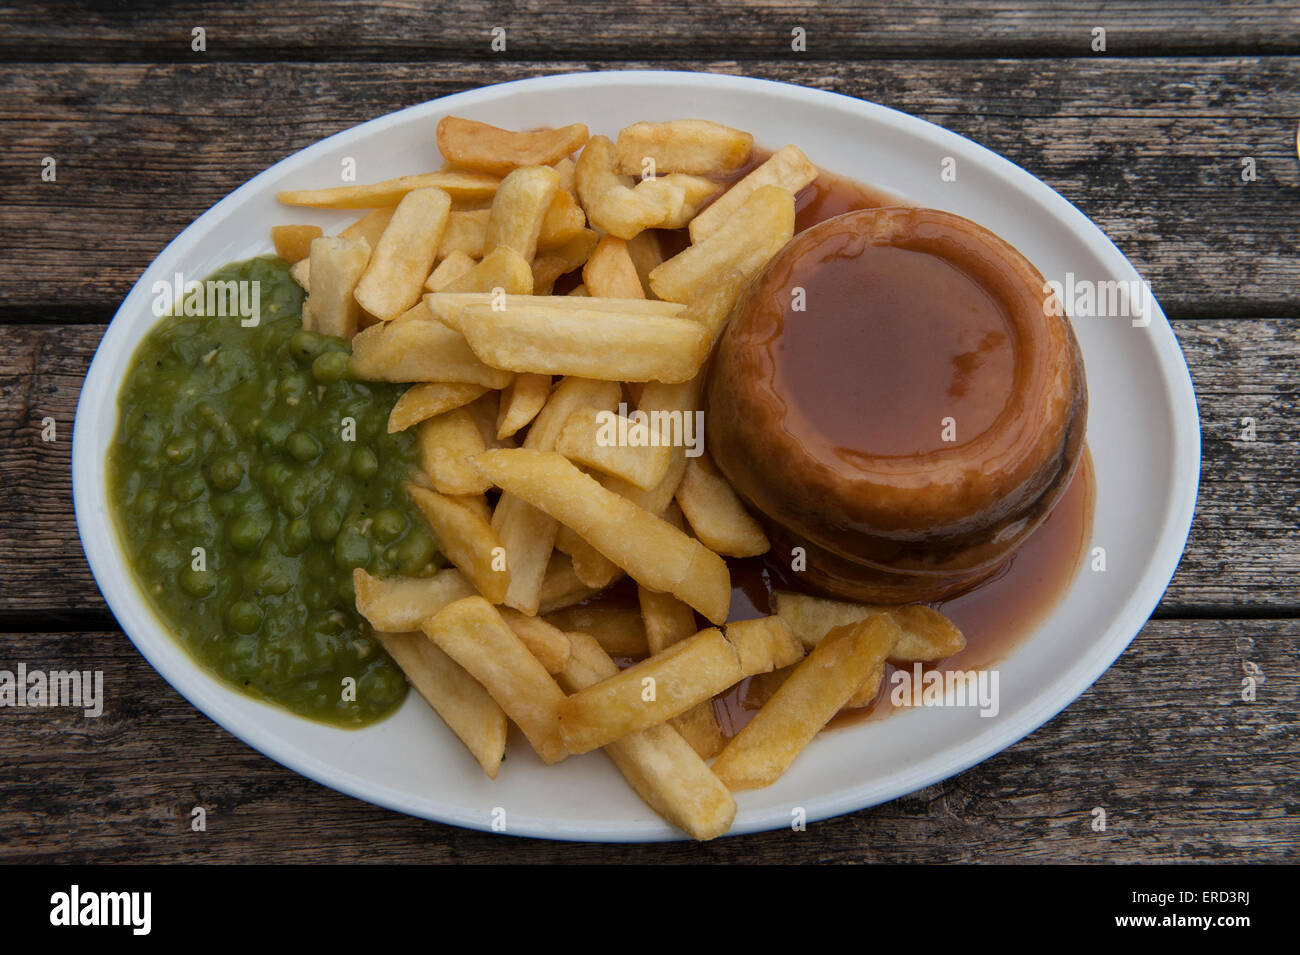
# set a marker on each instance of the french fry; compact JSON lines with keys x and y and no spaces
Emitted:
{"x":519,"y":208}
{"x":926,"y":635}
{"x":457,"y":185}
{"x":527,"y":533}
{"x":548,"y":643}
{"x":449,"y":269}
{"x":466,"y":539}
{"x":866,"y":694}
{"x":662,"y":768}
{"x":330,"y":307}
{"x":394,"y":279}
{"x":521,"y":401}
{"x":746,"y":242}
{"x":817,"y":689}
{"x":594,"y":175}
{"x":590,"y":438}
{"x":610,"y":272}
{"x":699,"y":727}
{"x":560,"y":585}
{"x":626,"y":213}
{"x":619,"y":632}
{"x":485,"y":410}
{"x":652,"y":551}
{"x":650,"y":692}
{"x":423,"y":401}
{"x":293,"y":242}
{"x":450,"y":307}
{"x":665,"y":618}
{"x":567,"y":168}
{"x":466,"y":232}
{"x":563,"y":222}
{"x":646,"y":254}
{"x":678,"y":197}
{"x":716,"y":514}
{"x":551,"y":264}
{"x":460,"y":700}
{"x":370,"y":226}
{"x":502,"y":268}
{"x":788,"y":168}
{"x":592,"y":567}
{"x":712,"y":304}
{"x":674,"y":402}
{"x":764,"y":644}
{"x":694,"y":146}
{"x":473,"y":634}
{"x":398,"y":604}
{"x":417,"y":347}
{"x":474,"y":145}
{"x":562,"y":337}
{"x":447,"y":443}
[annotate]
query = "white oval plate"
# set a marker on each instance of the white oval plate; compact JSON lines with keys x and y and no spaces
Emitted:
{"x":1143,"y":432}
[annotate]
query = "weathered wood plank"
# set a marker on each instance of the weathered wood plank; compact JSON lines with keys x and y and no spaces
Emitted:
{"x":536,"y":30}
{"x":1243,"y":555}
{"x":1151,"y":149}
{"x":1185,"y":771}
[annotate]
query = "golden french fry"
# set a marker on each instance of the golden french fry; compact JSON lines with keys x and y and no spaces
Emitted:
{"x":591,"y":437}
{"x":816,"y":690}
{"x":521,"y":401}
{"x":466,"y":232}
{"x":619,"y":632}
{"x":330,"y":307}
{"x":394,"y":279}
{"x":502,"y":268}
{"x":293,"y":242}
{"x":866,"y":694}
{"x":466,"y":539}
{"x":699,"y":727}
{"x":926,"y":635}
{"x":485,"y":411}
{"x":652,"y":551}
{"x":548,"y":643}
{"x":457,"y":185}
{"x":564,"y":220}
{"x":473,"y":634}
{"x":594,"y":175}
{"x":370,"y":226}
{"x":694,"y":146}
{"x":610,"y":272}
{"x":626,"y":213}
{"x":460,"y":700}
{"x":650,"y":692}
{"x":663,"y":769}
{"x":673,"y":681}
{"x":519,"y":208}
{"x":711,"y":305}
{"x":415,"y":346}
{"x":448,"y":270}
{"x":567,"y":169}
{"x":666,"y":619}
{"x":746,"y":242}
{"x":475,"y":145}
{"x":592,"y":567}
{"x":678,"y":197}
{"x":561,"y":586}
{"x":562,"y":259}
{"x":788,"y":168}
{"x":447,"y":443}
{"x":716,"y":514}
{"x":423,"y":401}
{"x":552,"y":340}
{"x":676,"y":406}
{"x":398,"y":604}
{"x":764,"y":644}
{"x":646,"y":254}
{"x":527,"y":533}
{"x":450,"y":307}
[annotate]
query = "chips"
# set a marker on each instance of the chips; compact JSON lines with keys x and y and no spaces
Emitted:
{"x":467,"y":540}
{"x":457,"y":185}
{"x":394,"y":279}
{"x":293,"y":242}
{"x":694,"y":146}
{"x":715,"y":513}
{"x":788,"y":168}
{"x":499,"y":151}
{"x":331,"y":307}
{"x":424,"y":401}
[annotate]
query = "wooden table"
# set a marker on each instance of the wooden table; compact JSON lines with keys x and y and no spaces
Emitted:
{"x":1147,"y":138}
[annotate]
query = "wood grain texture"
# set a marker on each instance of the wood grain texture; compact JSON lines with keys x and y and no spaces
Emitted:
{"x":666,"y":29}
{"x":1243,"y":555}
{"x":1151,"y":149}
{"x":121,"y":787}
